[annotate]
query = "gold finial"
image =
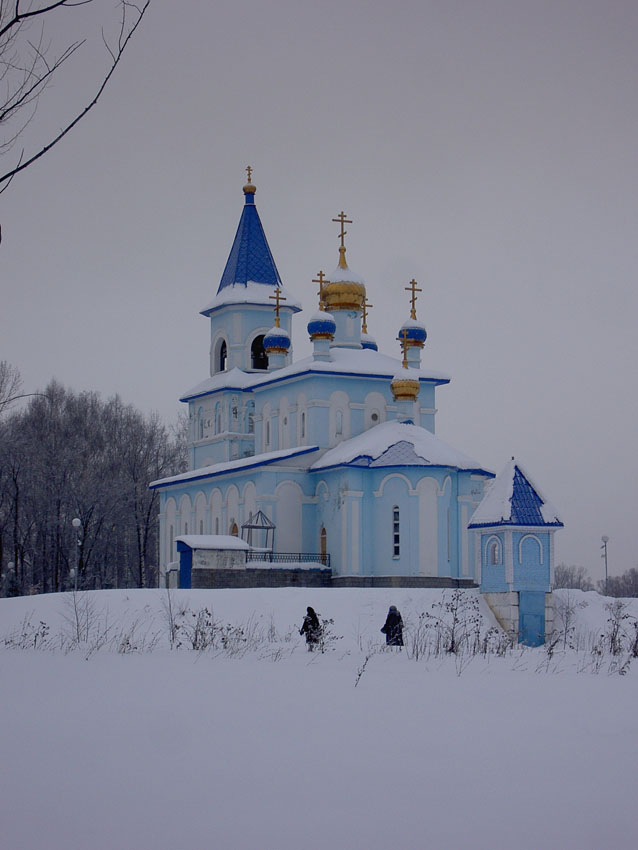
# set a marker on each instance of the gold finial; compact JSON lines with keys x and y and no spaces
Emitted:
{"x":277,"y":297}
{"x":341,"y":219}
{"x":412,"y":287}
{"x":403,"y":339}
{"x":249,"y":188}
{"x":364,"y":308}
{"x":321,"y":280}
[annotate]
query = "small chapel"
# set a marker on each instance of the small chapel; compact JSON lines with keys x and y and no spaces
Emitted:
{"x":327,"y":469}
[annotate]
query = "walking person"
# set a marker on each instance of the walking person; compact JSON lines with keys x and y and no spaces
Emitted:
{"x":393,"y":628}
{"x":311,"y":627}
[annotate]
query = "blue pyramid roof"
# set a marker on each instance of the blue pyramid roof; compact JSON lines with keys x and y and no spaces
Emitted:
{"x":250,"y":257}
{"x":513,"y":500}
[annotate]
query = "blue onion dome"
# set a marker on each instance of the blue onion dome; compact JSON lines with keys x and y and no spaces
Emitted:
{"x":368,"y":341}
{"x":321,"y":326}
{"x":277,"y":340}
{"x":414,"y":332}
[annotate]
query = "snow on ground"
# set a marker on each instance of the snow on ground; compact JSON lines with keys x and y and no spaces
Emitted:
{"x":277,"y":749}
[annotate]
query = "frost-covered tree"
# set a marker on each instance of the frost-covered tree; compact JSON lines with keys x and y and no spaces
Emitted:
{"x":70,"y":455}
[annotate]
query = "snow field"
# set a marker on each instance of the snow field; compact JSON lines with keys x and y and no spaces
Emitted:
{"x":170,"y":750}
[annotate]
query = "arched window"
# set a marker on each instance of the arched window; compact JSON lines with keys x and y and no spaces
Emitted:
{"x":200,"y":424}
{"x":396,"y":533}
{"x":223,"y":357}
{"x":201,"y":526}
{"x":268,"y":432}
{"x":494,"y":552}
{"x":339,"y":423}
{"x":234,"y":531}
{"x":216,"y":525}
{"x":303,"y":424}
{"x":258,"y":356}
{"x":171,"y":544}
{"x":323,"y":545}
{"x":218,"y":419}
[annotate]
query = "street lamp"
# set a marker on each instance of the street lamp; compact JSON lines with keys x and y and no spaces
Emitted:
{"x":605,"y":540}
{"x":77,"y":525}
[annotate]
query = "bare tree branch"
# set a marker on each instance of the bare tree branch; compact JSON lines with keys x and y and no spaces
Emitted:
{"x":35,"y":74}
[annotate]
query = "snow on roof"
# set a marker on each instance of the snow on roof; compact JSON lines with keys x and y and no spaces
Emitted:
{"x":512,"y":499}
{"x":212,"y":541}
{"x":395,"y":444}
{"x":348,"y":361}
{"x":232,"y":466}
{"x":251,"y":293}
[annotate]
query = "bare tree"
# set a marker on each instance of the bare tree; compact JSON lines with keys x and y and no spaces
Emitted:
{"x":576,"y":578}
{"x":30,"y":60}
{"x":10,"y":384}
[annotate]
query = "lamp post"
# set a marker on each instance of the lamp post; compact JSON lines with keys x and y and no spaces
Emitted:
{"x":77,"y":525}
{"x":605,"y":540}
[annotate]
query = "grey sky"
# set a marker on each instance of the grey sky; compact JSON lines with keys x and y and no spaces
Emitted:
{"x":488,"y":149}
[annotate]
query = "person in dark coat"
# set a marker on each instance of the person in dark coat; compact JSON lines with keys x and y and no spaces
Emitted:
{"x":311,"y":628}
{"x":393,"y":628}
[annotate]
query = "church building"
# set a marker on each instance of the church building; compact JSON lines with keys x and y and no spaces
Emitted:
{"x":331,"y":462}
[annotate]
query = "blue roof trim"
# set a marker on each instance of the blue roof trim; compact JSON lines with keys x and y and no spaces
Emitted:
{"x":363,"y":465}
{"x":186,"y":398}
{"x":239,"y":469}
{"x":437,"y":381}
{"x":250,"y":258}
{"x":509,"y":523}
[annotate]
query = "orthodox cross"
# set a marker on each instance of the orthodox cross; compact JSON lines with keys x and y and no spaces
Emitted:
{"x":412,"y":287}
{"x":341,"y":219}
{"x":365,"y":307}
{"x":249,"y":172}
{"x":321,"y":280}
{"x":277,"y":297}
{"x":403,"y":339}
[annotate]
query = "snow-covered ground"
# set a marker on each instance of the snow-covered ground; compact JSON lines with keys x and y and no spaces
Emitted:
{"x":123,"y":743}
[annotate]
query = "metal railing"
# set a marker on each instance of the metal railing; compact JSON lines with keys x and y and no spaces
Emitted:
{"x":288,"y":558}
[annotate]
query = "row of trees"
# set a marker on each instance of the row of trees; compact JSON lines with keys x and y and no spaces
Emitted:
{"x":623,"y":586}
{"x":69,"y":455}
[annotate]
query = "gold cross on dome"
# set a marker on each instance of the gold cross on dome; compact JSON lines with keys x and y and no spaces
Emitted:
{"x":277,"y":298}
{"x":321,"y":280}
{"x":412,"y":287}
{"x":341,"y":219}
{"x":249,"y":172}
{"x":403,"y":339}
{"x":364,"y":308}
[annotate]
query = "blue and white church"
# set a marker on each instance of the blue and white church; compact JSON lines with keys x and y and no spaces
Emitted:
{"x":332,"y":460}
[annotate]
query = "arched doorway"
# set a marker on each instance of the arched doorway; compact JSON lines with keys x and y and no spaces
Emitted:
{"x":323,"y":545}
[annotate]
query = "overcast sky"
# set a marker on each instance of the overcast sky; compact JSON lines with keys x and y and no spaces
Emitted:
{"x":488,"y":149}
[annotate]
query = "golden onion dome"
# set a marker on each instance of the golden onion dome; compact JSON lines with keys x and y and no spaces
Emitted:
{"x":346,"y":290}
{"x":404,"y":387}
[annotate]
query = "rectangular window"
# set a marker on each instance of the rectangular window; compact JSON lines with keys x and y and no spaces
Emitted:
{"x":396,"y":537}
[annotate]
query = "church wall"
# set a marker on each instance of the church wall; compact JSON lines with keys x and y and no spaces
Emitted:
{"x":531,"y":551}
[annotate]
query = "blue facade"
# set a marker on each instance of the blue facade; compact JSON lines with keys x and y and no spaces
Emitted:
{"x":338,"y":450}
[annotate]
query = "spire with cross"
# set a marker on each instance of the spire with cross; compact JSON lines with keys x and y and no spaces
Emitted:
{"x":364,"y":317}
{"x":403,"y":339}
{"x":321,"y":280}
{"x":342,"y":220}
{"x":412,"y":287}
{"x":277,"y":298}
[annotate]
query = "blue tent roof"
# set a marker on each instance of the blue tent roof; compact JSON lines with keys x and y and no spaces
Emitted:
{"x":513,"y":500}
{"x":250,"y":258}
